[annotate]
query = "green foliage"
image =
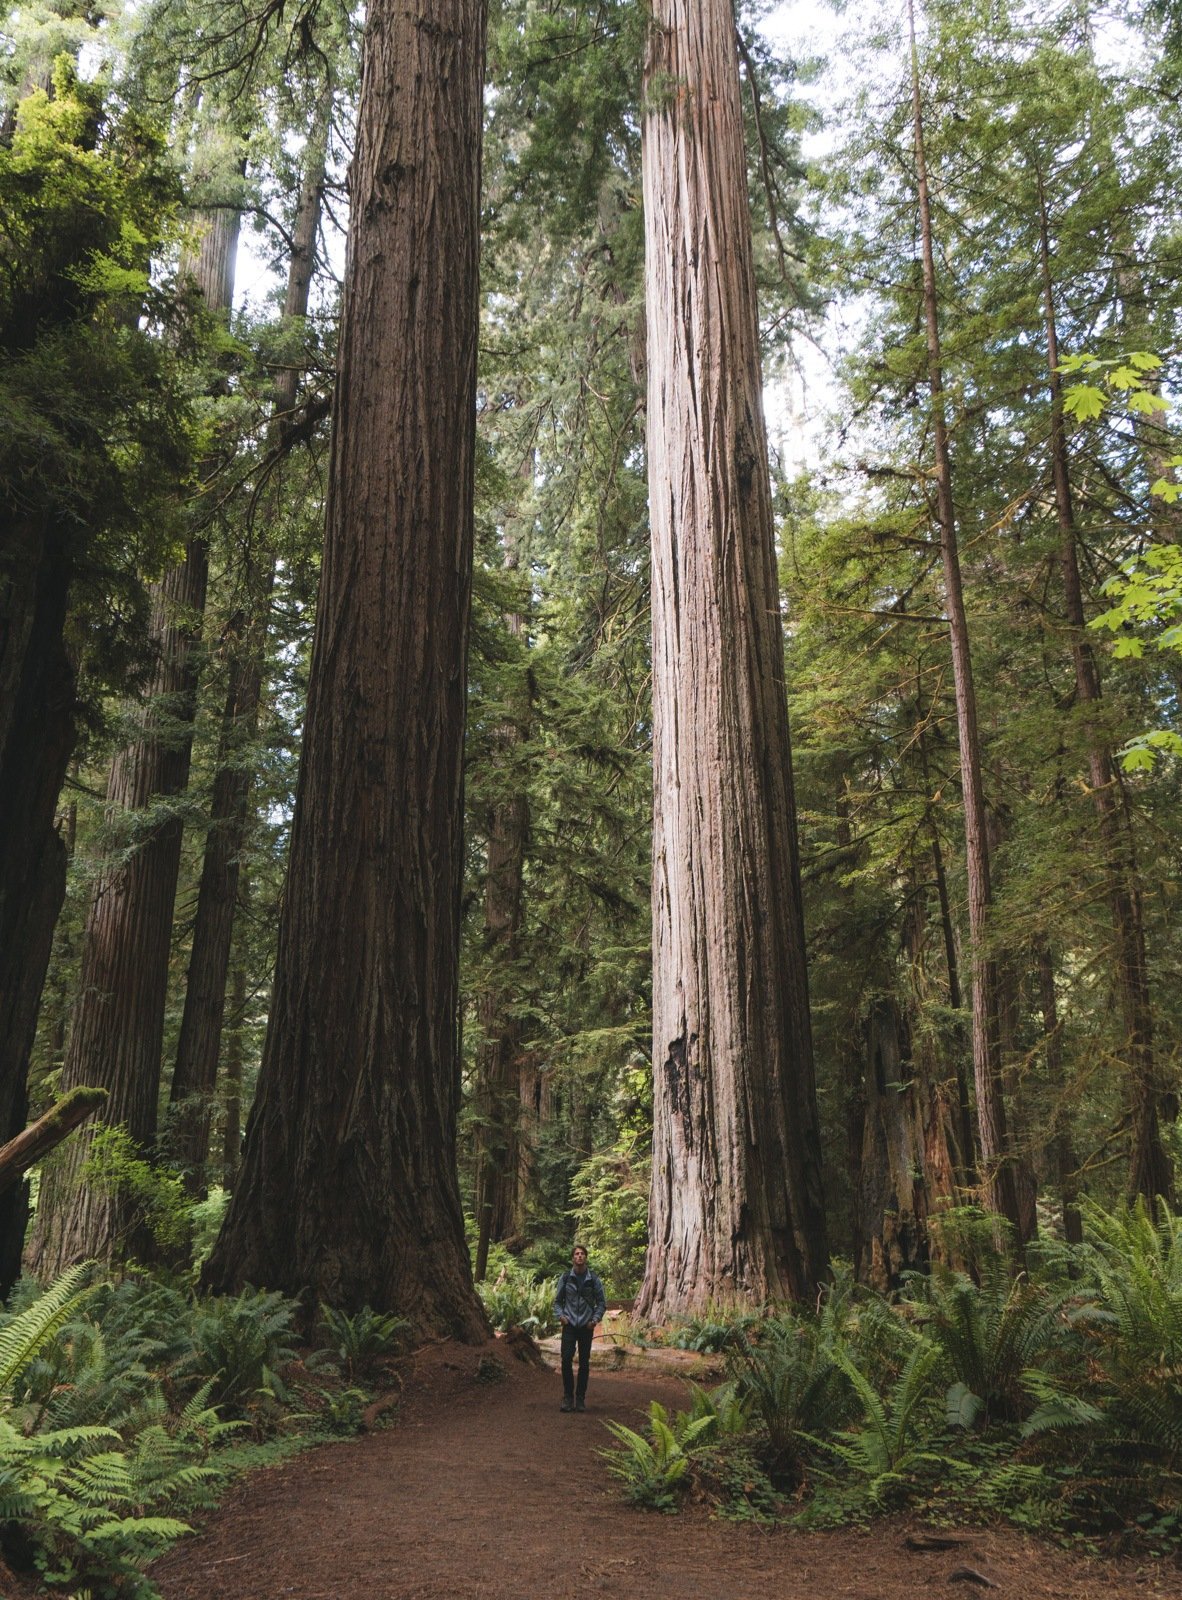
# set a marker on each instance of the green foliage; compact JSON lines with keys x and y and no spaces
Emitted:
{"x":712,"y":1332}
{"x":792,"y":1379}
{"x":609,"y":1199}
{"x":516,"y":1298}
{"x":240,"y":1344}
{"x":988,"y":1335}
{"x":654,"y":1470}
{"x":363,"y":1338}
{"x":116,"y":1165}
{"x":886,"y":1448}
{"x":93,"y":1504}
{"x":22,"y":1336}
{"x":95,"y":423}
{"x":1123,"y":1403}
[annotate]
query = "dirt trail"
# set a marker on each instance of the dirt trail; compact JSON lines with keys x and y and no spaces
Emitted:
{"x":485,"y":1491}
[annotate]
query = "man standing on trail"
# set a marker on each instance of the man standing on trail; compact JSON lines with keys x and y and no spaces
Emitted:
{"x":578,"y":1305}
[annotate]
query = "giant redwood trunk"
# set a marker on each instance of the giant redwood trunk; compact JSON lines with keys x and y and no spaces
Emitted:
{"x":348,"y":1184}
{"x":1151,"y":1172}
{"x":199,"y":1041}
{"x":998,"y":1187}
{"x":118,"y":1025}
{"x":736,"y":1208}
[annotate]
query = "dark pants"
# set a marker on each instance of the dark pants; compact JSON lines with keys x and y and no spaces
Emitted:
{"x":573,"y":1338}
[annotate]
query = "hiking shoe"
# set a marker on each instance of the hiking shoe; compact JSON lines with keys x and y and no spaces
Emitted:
{"x":567,"y":1404}
{"x":579,"y":1405}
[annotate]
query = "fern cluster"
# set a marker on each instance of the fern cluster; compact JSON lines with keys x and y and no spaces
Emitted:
{"x":120,"y":1405}
{"x":1053,"y":1399}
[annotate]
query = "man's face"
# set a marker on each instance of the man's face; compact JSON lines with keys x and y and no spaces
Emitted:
{"x":579,"y":1260}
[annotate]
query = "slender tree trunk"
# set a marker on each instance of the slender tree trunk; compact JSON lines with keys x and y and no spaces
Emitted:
{"x":232,"y":1126}
{"x":118,"y":1025}
{"x":1061,"y":1141}
{"x":37,"y":734}
{"x":997,"y":1177}
{"x":964,"y":1130}
{"x":199,"y":1042}
{"x":1151,"y":1173}
{"x":498,"y":1060}
{"x":348,"y":1185}
{"x":736,"y":1211}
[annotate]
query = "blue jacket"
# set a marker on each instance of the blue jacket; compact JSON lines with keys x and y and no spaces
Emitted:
{"x":579,"y":1300}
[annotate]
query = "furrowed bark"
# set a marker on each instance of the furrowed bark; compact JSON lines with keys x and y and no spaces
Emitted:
{"x":348,"y":1184}
{"x":499,"y":1194}
{"x":736,"y":1210}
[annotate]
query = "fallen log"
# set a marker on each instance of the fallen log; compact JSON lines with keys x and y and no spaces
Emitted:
{"x":42,"y":1136}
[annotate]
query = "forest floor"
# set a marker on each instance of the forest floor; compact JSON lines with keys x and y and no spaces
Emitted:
{"x":484,"y":1491}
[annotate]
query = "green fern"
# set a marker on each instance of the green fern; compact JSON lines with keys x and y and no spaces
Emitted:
{"x":989,"y":1335}
{"x":23,"y":1335}
{"x":793,"y":1381}
{"x":654,"y":1471}
{"x":886,"y":1448}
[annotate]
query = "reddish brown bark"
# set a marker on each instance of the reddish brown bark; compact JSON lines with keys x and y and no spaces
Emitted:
{"x":736,"y":1210}
{"x":348,"y":1184}
{"x":997,"y":1177}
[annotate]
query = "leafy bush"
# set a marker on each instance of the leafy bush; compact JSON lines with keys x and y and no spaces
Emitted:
{"x":989,"y":1335}
{"x":713,"y":1332}
{"x":885,"y":1448}
{"x":362,"y":1338}
{"x":1119,"y":1406}
{"x":516,"y":1299}
{"x":116,"y":1165}
{"x":240,"y":1344}
{"x":793,"y":1381}
{"x":653,"y":1471}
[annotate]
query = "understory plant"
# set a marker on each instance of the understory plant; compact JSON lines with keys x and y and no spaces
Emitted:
{"x":1053,"y":1399}
{"x":123,"y":1407}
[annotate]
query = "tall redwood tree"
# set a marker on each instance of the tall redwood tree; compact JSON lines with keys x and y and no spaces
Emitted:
{"x":736,"y":1208}
{"x":348,"y":1183}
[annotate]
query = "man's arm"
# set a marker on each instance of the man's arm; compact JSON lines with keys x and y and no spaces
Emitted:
{"x":600,"y":1302}
{"x":560,"y":1298}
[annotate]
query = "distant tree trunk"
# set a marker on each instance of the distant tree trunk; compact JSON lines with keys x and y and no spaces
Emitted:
{"x":232,"y":1124}
{"x":911,"y":1166}
{"x":997,"y":1177}
{"x":892,"y":1198}
{"x":498,"y":1060}
{"x":1150,"y":1173}
{"x":1061,"y":1141}
{"x":37,"y":733}
{"x":118,"y":1025}
{"x":736,"y":1210}
{"x":348,"y":1185}
{"x":964,"y":1110}
{"x":199,"y":1042}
